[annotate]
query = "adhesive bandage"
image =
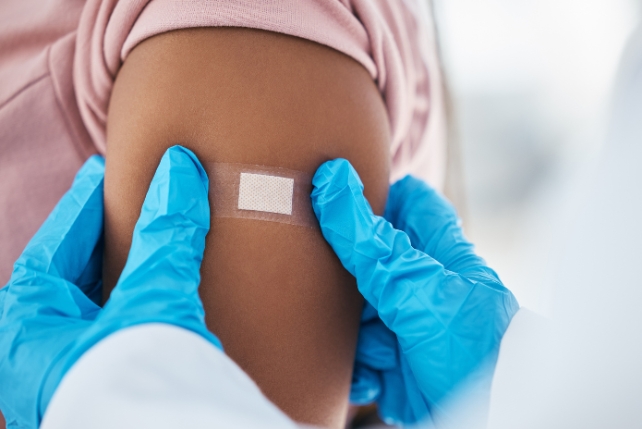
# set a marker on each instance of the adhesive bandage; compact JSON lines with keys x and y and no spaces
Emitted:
{"x":262,"y":193}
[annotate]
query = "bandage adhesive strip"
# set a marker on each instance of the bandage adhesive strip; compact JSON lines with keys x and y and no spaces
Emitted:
{"x":260,"y":192}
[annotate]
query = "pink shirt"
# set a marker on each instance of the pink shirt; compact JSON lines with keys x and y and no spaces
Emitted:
{"x":59,"y":59}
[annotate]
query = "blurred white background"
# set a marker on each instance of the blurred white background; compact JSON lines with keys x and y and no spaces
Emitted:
{"x":530,"y":82}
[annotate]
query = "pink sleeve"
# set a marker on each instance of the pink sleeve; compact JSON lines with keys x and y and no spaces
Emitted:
{"x":394,"y":40}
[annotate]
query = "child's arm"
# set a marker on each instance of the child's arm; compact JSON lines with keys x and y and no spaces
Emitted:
{"x":275,"y":294}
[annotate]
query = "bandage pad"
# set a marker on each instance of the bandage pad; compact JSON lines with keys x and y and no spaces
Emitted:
{"x":260,"y":192}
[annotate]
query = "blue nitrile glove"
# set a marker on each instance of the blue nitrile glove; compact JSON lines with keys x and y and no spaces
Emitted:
{"x":47,"y":320}
{"x":435,"y":313}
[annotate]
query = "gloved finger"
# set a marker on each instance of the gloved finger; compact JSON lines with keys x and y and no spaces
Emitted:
{"x":345,"y":216}
{"x":377,"y":346}
{"x":65,"y":242}
{"x":432,"y":225}
{"x":169,"y":237}
{"x":387,"y":268}
{"x":162,"y":274}
{"x":366,"y":385}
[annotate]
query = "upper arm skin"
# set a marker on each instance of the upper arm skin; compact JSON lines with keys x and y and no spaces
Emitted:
{"x":275,"y":294}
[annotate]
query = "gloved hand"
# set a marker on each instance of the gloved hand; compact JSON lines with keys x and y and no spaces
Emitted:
{"x":47,"y":320}
{"x":435,"y":313}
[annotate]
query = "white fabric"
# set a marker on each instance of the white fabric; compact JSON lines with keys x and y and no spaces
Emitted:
{"x":265,"y":193}
{"x":521,"y":351}
{"x":162,"y":377}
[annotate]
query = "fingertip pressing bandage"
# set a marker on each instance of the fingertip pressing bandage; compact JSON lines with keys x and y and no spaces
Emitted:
{"x":259,"y":192}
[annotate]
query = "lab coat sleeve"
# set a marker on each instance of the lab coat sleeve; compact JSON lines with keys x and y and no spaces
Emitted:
{"x":159,"y":376}
{"x":522,"y":360}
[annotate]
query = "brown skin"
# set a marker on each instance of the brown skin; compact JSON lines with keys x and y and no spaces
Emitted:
{"x":276,"y":295}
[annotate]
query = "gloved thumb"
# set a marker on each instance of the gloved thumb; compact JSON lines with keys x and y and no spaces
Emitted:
{"x":367,"y":245}
{"x":161,"y":277}
{"x":345,"y":216}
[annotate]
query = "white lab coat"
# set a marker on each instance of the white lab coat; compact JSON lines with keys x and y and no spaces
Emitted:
{"x":159,"y":376}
